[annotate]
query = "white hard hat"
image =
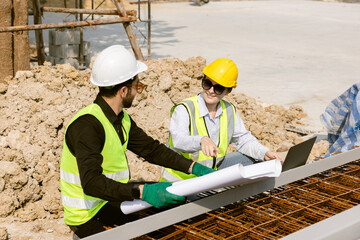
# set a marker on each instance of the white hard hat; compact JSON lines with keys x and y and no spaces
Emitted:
{"x":115,"y":65}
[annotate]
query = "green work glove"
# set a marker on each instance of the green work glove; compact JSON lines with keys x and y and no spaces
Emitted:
{"x":156,"y":195}
{"x":200,"y":170}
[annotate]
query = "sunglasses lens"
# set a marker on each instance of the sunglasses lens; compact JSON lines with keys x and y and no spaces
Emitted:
{"x":218,"y":89}
{"x":206,"y":84}
{"x":140,"y":87}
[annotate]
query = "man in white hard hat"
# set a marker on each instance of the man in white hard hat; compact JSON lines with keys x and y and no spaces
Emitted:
{"x":94,"y":172}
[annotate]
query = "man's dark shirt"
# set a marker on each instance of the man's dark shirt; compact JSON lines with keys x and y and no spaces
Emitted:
{"x":85,"y":138}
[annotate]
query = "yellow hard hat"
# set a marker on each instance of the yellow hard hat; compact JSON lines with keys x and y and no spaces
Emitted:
{"x":223,"y":71}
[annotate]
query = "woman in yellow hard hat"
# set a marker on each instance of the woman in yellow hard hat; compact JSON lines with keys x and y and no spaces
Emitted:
{"x":203,"y":126}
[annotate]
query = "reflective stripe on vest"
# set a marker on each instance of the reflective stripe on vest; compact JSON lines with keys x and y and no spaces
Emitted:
{"x":75,"y":179}
{"x":198,"y":127}
{"x":79,"y":203}
{"x":79,"y":207}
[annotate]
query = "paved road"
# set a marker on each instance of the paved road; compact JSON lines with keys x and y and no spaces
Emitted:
{"x":288,"y":52}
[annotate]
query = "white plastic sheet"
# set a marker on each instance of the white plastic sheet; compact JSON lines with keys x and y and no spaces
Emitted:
{"x":230,"y":176}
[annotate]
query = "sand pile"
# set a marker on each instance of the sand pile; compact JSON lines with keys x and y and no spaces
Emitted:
{"x":36,"y":105}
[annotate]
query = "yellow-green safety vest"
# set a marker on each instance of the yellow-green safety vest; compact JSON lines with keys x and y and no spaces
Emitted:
{"x":79,"y":207}
{"x":198,"y":127}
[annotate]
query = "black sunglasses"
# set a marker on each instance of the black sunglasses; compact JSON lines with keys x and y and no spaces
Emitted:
{"x":207,"y":84}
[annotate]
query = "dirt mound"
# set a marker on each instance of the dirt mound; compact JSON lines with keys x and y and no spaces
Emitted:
{"x":36,"y":105}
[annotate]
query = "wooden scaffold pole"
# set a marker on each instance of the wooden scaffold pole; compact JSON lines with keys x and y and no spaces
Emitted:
{"x":38,"y":33}
{"x":129,"y":31}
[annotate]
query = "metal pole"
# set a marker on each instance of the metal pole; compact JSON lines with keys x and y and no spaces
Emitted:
{"x":76,"y":6}
{"x":92,"y":7}
{"x":149,"y":30}
{"x":81,"y":46}
{"x":148,"y":21}
{"x":97,"y":8}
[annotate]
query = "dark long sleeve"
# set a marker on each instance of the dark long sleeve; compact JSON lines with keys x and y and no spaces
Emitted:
{"x":154,"y":152}
{"x":85,"y":138}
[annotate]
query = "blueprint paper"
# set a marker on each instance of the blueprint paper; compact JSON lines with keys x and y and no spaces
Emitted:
{"x":230,"y":176}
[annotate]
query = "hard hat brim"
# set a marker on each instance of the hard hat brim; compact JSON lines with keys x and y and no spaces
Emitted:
{"x":141,"y":67}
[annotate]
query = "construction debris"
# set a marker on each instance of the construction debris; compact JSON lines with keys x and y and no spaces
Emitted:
{"x":301,"y":129}
{"x":3,"y":233}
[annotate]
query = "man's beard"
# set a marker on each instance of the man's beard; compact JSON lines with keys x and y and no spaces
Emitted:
{"x":127,"y":101}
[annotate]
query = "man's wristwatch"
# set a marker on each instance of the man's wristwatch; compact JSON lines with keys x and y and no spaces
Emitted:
{"x":135,"y":191}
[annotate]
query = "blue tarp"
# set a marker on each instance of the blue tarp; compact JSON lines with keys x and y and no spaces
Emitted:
{"x":341,"y":119}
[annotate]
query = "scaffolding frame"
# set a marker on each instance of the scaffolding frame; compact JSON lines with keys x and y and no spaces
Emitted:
{"x":125,"y":17}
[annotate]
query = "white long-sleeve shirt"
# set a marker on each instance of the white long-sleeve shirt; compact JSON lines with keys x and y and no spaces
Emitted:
{"x":242,"y":139}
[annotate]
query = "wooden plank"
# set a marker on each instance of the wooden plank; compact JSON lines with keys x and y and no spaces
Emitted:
{"x":87,"y":11}
{"x":38,"y":34}
{"x":6,"y":58}
{"x":68,"y":24}
{"x":129,"y":31}
{"x":21,"y":39}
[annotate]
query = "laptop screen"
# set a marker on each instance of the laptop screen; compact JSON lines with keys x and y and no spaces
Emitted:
{"x":298,"y":154}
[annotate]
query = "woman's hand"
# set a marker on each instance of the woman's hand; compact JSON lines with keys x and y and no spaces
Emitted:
{"x":272,"y":155}
{"x":208,"y":147}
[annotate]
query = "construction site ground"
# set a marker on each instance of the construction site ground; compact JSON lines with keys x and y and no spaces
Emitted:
{"x":294,"y":57}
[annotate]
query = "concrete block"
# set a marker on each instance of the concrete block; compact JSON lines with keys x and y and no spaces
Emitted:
{"x":87,"y":60}
{"x":68,"y":50}
{"x":50,"y":59}
{"x":86,"y":48}
{"x":63,"y":37}
{"x":72,"y":61}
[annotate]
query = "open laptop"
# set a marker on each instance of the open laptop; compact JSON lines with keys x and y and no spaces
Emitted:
{"x":298,"y":154}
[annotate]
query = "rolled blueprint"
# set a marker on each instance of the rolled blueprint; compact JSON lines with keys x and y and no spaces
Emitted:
{"x":230,"y":176}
